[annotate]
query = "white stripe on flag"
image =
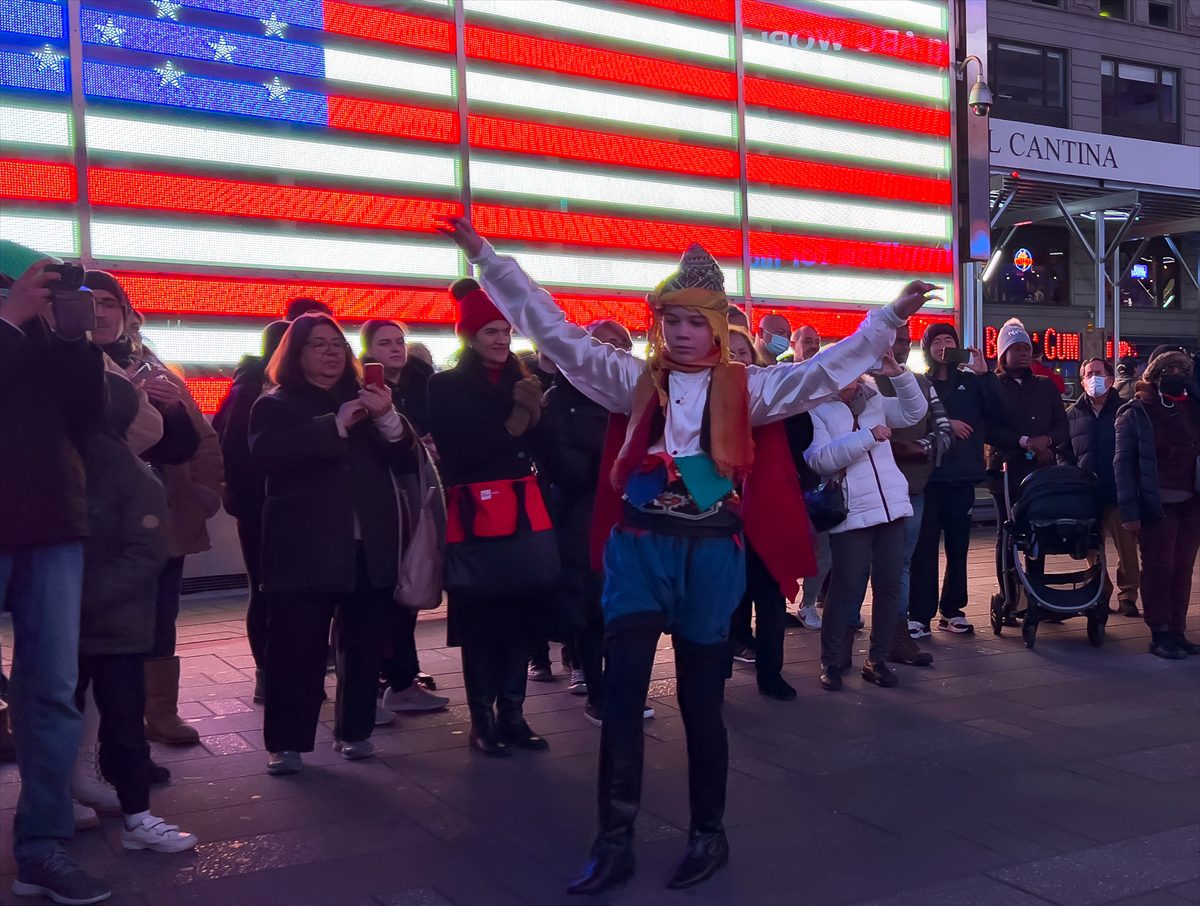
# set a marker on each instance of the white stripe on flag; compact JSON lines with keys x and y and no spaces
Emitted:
{"x":21,"y":125}
{"x":658,"y":32}
{"x":846,"y":69}
{"x":819,"y":286}
{"x":175,"y":141}
{"x":136,"y":241}
{"x":557,"y":183}
{"x":388,"y":72}
{"x":549,"y":96}
{"x":584,"y":268}
{"x":881,"y":149}
{"x":51,"y":235}
{"x":876,"y":219}
{"x":903,"y":12}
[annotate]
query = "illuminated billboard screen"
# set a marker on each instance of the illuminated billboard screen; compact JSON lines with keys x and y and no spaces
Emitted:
{"x":223,"y":156}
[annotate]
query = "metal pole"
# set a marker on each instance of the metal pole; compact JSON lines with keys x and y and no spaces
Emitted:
{"x":743,"y":176}
{"x":1116,"y":301}
{"x":464,"y":134}
{"x":1101,"y":295}
{"x":83,"y":208}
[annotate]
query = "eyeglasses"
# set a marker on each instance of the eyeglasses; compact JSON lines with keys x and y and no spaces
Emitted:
{"x":320,"y":347}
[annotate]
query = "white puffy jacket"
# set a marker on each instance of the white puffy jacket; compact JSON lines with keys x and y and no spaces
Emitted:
{"x":876,"y":490}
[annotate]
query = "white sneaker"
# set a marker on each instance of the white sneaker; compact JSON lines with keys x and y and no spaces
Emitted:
{"x":647,"y":713}
{"x":918,"y":630}
{"x":85,"y":818}
{"x":354,"y":751}
{"x":957,"y":625}
{"x":578,"y":685}
{"x":89,"y":788}
{"x":414,"y":698}
{"x":153,"y":833}
{"x":383,"y":717}
{"x":809,"y":618}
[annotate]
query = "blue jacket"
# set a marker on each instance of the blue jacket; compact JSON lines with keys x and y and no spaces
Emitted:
{"x":1093,"y":442}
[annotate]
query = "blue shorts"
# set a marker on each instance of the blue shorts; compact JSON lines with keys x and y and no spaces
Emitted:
{"x":693,"y":583}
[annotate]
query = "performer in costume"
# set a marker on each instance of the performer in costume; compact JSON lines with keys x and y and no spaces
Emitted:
{"x":673,"y":559}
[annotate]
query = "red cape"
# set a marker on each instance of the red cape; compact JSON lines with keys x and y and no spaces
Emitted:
{"x":773,"y":512}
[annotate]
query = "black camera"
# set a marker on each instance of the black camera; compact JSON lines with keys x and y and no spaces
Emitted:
{"x":72,"y":303}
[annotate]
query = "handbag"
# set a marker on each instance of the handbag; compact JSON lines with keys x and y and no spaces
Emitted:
{"x":499,"y":537}
{"x":422,"y":530}
{"x":826,"y":504}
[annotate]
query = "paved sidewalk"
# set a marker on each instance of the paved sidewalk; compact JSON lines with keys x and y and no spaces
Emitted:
{"x":1000,"y":777}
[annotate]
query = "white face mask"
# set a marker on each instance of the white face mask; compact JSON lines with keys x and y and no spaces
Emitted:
{"x":1096,"y":385}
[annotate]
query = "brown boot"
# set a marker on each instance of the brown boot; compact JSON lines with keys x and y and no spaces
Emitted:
{"x":905,"y":650}
{"x":162,"y":704}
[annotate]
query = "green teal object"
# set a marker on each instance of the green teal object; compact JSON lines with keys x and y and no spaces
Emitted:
{"x":703,"y":481}
{"x":16,"y":259}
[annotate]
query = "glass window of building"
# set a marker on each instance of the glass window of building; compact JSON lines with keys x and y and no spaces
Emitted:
{"x":1033,"y":269}
{"x":1153,"y":279}
{"x":1114,"y":9}
{"x":1139,"y":100}
{"x":1028,"y":82}
{"x":1162,"y":13}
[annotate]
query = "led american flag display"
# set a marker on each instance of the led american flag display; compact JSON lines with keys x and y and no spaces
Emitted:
{"x":223,"y":156}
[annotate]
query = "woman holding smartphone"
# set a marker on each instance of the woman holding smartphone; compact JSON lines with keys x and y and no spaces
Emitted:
{"x":331,"y":536}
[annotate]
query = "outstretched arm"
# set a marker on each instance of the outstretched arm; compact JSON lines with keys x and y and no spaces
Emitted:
{"x":783,"y":390}
{"x":605,"y":374}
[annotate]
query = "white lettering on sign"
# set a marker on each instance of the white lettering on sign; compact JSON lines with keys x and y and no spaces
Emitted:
{"x":1045,"y":149}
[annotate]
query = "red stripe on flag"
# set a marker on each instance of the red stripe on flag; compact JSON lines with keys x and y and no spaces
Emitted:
{"x":834,"y":325}
{"x":609,"y":65}
{"x":199,"y":195}
{"x":851,"y":35}
{"x":822,"y":177}
{"x":848,"y":108}
{"x":394,"y":28}
{"x":400,"y":120}
{"x":33,"y":181}
{"x":208,"y":392}
{"x":826,"y":252}
{"x":499,"y":134}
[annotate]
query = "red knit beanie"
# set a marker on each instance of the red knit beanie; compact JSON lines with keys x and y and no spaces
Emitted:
{"x":475,"y":308}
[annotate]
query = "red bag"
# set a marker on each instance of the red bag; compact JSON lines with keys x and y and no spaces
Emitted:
{"x":499,"y":536}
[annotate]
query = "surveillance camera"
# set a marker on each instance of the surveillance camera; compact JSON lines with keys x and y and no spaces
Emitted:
{"x":980,"y":99}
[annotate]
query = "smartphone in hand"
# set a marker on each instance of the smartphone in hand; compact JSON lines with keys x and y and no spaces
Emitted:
{"x":373,"y":375}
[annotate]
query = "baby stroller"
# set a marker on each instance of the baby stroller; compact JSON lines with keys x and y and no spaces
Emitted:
{"x":1057,"y":513}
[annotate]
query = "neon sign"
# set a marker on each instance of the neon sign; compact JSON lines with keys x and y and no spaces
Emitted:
{"x":1022,"y":260}
{"x":1059,"y":346}
{"x":1139,"y":272}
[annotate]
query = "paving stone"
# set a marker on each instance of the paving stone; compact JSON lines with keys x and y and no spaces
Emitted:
{"x":1106,"y":873}
{"x":227,"y":744}
{"x":1164,"y":763}
{"x":977,"y":891}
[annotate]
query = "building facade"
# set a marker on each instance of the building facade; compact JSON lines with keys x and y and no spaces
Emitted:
{"x":1096,"y":119}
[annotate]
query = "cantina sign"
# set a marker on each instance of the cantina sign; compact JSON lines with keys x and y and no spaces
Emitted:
{"x":1059,"y":345}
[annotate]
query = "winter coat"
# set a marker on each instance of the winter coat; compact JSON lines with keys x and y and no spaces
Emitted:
{"x":125,"y":553}
{"x":1139,"y":486}
{"x":973,"y":399}
{"x":51,"y":400}
{"x":918,"y":448}
{"x":1029,"y":408}
{"x":244,"y":480}
{"x":322,"y":490}
{"x":1093,"y":442}
{"x":876,"y":490}
{"x":193,"y":486}
{"x":467,"y":412}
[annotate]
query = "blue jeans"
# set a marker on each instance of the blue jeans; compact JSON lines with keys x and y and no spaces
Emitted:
{"x":912,"y":531}
{"x":42,"y":588}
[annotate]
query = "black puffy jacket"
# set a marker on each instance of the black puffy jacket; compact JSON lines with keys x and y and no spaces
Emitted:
{"x":971,"y":398}
{"x":1093,"y":442}
{"x":245,"y":481}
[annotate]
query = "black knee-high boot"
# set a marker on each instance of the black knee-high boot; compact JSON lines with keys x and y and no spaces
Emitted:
{"x":479,"y":679}
{"x":510,"y":703}
{"x":630,"y":656}
{"x":700,"y":679}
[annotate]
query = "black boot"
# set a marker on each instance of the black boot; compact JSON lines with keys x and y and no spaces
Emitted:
{"x":1185,"y":645}
{"x":480,"y":683}
{"x":1163,"y":644}
{"x":630,"y":655}
{"x":700,"y":683}
{"x":514,"y":731}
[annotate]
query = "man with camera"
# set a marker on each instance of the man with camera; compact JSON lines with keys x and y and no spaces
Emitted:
{"x":51,"y":399}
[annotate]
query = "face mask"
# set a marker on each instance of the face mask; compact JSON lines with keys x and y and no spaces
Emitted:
{"x":776,"y":345}
{"x":1172,"y":384}
{"x":1096,"y":385}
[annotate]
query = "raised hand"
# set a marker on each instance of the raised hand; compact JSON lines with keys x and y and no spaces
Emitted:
{"x":913,"y":296}
{"x":29,"y":295}
{"x":978,"y":362}
{"x":376,"y":401}
{"x":891,"y":368}
{"x":459,"y":229}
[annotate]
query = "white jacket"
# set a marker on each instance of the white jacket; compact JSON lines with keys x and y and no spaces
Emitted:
{"x":876,"y":490}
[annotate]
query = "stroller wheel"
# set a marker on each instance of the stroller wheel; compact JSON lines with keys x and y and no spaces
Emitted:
{"x":1029,"y":632}
{"x":1095,"y":632}
{"x":997,"y":614}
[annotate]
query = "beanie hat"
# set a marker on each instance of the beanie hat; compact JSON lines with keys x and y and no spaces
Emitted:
{"x":106,"y":282}
{"x":932,"y":332}
{"x":1012,"y":333}
{"x":475,"y":307}
{"x":1162,"y":357}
